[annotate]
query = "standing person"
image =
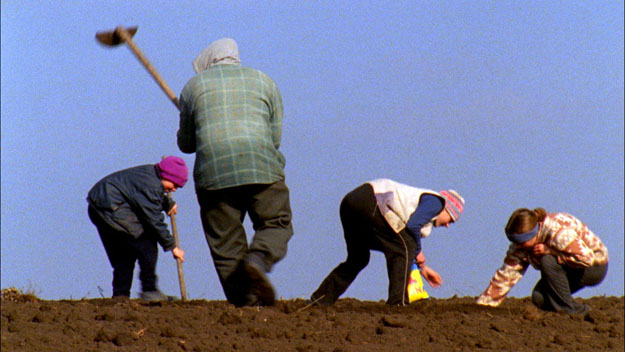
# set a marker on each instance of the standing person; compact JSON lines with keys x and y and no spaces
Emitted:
{"x":389,"y":217}
{"x":231,"y":118}
{"x":126,"y":207}
{"x":568,"y":255}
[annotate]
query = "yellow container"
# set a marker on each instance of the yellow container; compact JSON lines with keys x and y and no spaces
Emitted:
{"x":415,"y":285}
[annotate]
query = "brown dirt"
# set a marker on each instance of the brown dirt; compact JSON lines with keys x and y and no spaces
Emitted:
{"x":454,"y":324}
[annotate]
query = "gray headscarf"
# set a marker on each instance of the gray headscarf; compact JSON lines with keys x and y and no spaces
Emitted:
{"x":221,"y":52}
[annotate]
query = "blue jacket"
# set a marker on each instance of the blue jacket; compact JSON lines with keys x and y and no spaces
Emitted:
{"x":133,"y":201}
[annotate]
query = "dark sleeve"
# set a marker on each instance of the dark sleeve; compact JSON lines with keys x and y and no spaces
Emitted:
{"x":429,"y":207}
{"x":150,"y":205}
{"x":167,"y":203}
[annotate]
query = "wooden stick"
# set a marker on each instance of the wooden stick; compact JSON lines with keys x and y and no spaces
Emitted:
{"x":310,"y":304}
{"x":126,"y":37}
{"x":174,"y":230}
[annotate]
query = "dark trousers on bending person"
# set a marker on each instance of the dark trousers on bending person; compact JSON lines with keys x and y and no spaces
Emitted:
{"x":365,"y":229}
{"x":223,"y":211}
{"x":557,"y":283}
{"x":123,"y":251}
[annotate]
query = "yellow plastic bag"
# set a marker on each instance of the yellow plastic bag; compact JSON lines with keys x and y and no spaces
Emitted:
{"x":415,"y":285}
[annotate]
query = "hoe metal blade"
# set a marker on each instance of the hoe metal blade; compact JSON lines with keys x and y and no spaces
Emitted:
{"x":112,"y":38}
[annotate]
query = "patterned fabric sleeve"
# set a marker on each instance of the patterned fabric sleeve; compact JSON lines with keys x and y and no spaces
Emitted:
{"x":186,"y":132}
{"x":277,"y":115}
{"x":513,"y":268}
{"x":572,"y":250}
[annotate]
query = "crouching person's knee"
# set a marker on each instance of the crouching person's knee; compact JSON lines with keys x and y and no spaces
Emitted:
{"x":538,"y":299}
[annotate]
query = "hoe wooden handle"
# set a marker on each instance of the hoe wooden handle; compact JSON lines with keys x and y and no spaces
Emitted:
{"x":126,"y":37}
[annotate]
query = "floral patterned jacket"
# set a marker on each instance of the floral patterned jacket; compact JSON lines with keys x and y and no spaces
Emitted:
{"x":576,"y":245}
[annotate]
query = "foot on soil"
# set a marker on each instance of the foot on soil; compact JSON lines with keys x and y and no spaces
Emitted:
{"x":261,"y":286}
{"x":120,"y":298}
{"x":157,"y":296}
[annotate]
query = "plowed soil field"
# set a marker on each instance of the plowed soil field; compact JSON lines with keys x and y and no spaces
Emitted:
{"x":453,"y":324}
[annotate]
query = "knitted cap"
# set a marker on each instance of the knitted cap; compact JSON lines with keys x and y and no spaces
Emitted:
{"x":454,"y":203}
{"x":174,"y":169}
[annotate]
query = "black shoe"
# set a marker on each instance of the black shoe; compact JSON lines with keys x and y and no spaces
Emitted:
{"x":250,"y":300}
{"x":261,"y":286}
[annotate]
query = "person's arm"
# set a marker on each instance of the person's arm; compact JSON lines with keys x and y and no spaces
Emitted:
{"x":420,"y":260}
{"x":505,"y":278}
{"x":277,"y":115}
{"x":167,"y":203}
{"x":149,"y":205}
{"x":171,"y":208}
{"x":186,"y":131}
{"x":430,"y":275}
{"x":429,"y":207}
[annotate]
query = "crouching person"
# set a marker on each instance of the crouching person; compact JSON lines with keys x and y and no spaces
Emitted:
{"x":389,"y":217}
{"x":568,"y":255}
{"x":126,"y":207}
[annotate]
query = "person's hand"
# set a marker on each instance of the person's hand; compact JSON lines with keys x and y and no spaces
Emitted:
{"x":420,"y":259}
{"x":173,"y":210}
{"x":540,"y":250}
{"x":178,"y":254}
{"x":431,"y":276}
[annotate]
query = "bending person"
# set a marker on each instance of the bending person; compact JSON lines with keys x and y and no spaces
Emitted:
{"x":127,"y":209}
{"x":568,"y":255}
{"x":389,"y":217}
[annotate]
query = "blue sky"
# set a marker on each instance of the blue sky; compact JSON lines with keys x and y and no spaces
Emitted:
{"x":513,"y":104}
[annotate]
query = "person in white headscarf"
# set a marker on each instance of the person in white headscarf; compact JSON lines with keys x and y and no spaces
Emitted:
{"x":223,"y":52}
{"x":231,"y":118}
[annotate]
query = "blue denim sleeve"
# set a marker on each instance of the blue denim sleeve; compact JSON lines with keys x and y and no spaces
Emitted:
{"x":429,"y":207}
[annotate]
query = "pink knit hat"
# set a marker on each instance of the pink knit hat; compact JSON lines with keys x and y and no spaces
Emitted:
{"x":174,"y":169}
{"x":454,"y":203}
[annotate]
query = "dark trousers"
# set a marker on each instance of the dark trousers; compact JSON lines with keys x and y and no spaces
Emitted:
{"x":123,"y":251}
{"x":223,"y":211}
{"x":365,"y":229}
{"x":557,"y":283}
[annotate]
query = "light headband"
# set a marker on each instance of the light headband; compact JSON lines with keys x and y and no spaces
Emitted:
{"x":524,"y":237}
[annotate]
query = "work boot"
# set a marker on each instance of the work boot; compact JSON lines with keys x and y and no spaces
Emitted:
{"x":261,"y":286}
{"x":157,"y":296}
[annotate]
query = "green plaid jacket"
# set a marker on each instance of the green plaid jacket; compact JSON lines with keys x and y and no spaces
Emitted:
{"x":231,"y":118}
